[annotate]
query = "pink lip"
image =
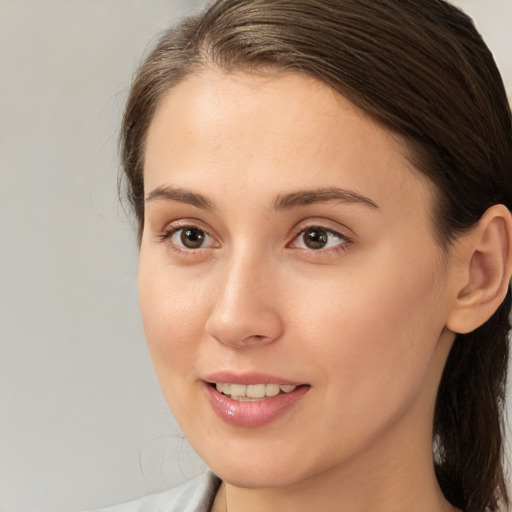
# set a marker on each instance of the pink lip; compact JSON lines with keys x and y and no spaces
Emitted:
{"x":251,"y":414}
{"x":249,"y":378}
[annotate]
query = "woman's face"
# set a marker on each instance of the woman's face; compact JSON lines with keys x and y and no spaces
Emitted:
{"x":287,"y":241}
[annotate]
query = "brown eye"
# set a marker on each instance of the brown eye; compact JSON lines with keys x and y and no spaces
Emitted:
{"x":315,"y":238}
{"x":192,"y":238}
{"x":187,"y":239}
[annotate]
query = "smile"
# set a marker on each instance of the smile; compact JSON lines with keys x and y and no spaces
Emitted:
{"x":252,"y":403}
{"x":252,"y":392}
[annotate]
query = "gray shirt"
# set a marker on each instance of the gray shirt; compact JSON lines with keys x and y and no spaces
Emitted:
{"x":194,"y":496}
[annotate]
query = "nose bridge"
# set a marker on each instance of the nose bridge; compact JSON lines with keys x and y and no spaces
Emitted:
{"x":245,"y":310}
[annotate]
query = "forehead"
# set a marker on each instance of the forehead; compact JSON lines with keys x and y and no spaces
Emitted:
{"x":252,"y":134}
{"x":254,"y":106}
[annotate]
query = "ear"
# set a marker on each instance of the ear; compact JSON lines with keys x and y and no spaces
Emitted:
{"x":486,"y":269}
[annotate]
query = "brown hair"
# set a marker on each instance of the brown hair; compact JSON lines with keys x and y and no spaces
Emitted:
{"x":420,"y":68}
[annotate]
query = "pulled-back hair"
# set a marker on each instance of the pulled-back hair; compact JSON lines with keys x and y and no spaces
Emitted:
{"x":420,"y":68}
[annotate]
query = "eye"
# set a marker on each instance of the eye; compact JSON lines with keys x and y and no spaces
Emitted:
{"x":317,"y":237}
{"x":188,"y":237}
{"x":191,"y":238}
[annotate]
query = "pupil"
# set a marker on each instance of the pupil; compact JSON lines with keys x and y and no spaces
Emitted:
{"x":315,"y":238}
{"x":192,"y":238}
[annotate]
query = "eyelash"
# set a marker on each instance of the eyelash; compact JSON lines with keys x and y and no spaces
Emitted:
{"x":173,"y":229}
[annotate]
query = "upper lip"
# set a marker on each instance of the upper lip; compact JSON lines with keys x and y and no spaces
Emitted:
{"x":248,"y":378}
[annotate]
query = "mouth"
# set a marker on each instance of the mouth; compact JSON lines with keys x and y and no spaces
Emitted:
{"x":252,"y":400}
{"x":252,"y":392}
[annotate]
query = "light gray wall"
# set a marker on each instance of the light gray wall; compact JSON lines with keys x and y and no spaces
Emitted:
{"x":82,"y":422}
{"x":79,"y":404}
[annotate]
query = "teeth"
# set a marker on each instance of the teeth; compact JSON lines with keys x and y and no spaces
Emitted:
{"x":272,"y":389}
{"x":252,"y":391}
{"x":223,"y":388}
{"x":255,"y":391}
{"x":238,"y":390}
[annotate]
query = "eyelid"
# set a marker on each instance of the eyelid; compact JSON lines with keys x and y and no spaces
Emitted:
{"x":323,"y":223}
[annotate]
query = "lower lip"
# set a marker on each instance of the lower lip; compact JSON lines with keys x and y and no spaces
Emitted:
{"x":253,"y":414}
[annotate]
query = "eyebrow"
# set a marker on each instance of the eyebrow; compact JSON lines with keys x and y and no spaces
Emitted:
{"x":282,"y":202}
{"x":321,"y":195}
{"x":180,"y":195}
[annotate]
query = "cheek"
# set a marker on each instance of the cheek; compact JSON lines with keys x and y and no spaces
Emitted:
{"x":173,"y":313}
{"x":374,"y":334}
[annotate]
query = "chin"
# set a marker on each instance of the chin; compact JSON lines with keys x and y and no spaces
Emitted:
{"x":260,"y":464}
{"x":255,"y":477}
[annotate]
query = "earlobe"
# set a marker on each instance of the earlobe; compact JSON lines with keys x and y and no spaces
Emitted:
{"x":488,"y":267}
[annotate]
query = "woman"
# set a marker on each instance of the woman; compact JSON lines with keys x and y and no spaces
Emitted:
{"x":323,"y":192}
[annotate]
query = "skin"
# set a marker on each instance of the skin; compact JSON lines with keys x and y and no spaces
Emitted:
{"x":362,"y":321}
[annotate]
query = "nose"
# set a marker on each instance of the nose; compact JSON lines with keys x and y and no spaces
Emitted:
{"x":246,"y":310}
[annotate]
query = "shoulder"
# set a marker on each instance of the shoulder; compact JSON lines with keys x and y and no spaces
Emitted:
{"x":194,"y":496}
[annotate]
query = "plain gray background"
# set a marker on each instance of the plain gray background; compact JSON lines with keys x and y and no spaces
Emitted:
{"x":82,"y":422}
